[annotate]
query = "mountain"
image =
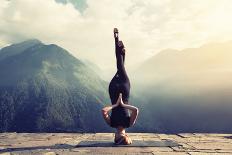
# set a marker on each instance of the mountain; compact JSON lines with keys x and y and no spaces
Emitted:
{"x":43,"y":88}
{"x":205,"y":67}
{"x":17,"y":48}
{"x":186,"y":90}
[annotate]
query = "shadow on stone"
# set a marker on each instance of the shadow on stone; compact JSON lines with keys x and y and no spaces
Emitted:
{"x":56,"y":146}
{"x":136,"y":143}
{"x":228,"y":137}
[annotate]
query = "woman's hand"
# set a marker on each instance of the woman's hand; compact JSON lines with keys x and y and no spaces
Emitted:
{"x":120,"y":100}
{"x":117,"y":103}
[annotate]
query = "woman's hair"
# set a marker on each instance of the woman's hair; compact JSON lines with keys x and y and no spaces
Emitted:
{"x":123,"y":140}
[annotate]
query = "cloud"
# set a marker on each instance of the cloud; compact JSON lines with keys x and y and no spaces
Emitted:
{"x":146,"y":26}
{"x":81,"y":5}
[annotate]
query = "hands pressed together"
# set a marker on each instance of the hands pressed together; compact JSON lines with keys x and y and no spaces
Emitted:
{"x":119,"y":101}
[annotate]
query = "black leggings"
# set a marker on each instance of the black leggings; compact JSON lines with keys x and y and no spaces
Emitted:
{"x":120,"y":83}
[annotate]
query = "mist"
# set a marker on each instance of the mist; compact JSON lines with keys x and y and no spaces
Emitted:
{"x":185,"y":91}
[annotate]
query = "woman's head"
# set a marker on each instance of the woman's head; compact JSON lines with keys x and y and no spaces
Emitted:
{"x":123,"y":140}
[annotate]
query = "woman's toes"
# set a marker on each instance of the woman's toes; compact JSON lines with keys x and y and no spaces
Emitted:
{"x":115,"y":30}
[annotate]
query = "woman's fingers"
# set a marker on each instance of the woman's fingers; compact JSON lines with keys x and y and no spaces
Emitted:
{"x":119,"y":97}
{"x":118,"y":100}
{"x":121,"y":101}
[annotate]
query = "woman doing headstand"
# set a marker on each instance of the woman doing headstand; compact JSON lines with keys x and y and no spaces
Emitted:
{"x":119,"y":91}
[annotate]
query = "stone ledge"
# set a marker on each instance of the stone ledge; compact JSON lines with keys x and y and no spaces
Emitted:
{"x":64,"y":143}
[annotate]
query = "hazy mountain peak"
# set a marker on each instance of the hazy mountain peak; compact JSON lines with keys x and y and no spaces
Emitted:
{"x":167,"y":52}
{"x":211,"y":61}
{"x":31,"y":41}
{"x":18,"y":48}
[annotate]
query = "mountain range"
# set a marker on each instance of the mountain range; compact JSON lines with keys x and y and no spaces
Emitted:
{"x":186,"y":90}
{"x":44,"y":88}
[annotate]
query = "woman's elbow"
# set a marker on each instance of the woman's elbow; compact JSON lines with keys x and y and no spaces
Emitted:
{"x":104,"y":111}
{"x":136,"y":110}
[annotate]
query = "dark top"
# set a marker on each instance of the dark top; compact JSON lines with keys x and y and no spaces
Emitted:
{"x":120,"y":117}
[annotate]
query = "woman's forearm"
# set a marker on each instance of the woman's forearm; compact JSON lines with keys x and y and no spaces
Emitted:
{"x":108,"y":108}
{"x":130,"y":107}
{"x":127,"y":106}
{"x":105,"y":114}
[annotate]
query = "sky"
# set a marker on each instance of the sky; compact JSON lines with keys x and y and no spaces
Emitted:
{"x":85,"y":27}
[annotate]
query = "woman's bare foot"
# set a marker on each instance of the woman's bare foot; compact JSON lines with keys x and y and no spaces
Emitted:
{"x":115,"y":33}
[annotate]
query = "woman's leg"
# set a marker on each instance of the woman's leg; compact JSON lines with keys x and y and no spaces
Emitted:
{"x":116,"y":38}
{"x":120,"y":56}
{"x":117,"y":48}
{"x":121,"y":71}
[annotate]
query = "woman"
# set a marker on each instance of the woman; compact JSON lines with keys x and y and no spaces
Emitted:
{"x":119,"y":91}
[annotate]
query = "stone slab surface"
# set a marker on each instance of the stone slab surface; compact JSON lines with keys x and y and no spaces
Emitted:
{"x":65,"y":143}
{"x":136,"y":143}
